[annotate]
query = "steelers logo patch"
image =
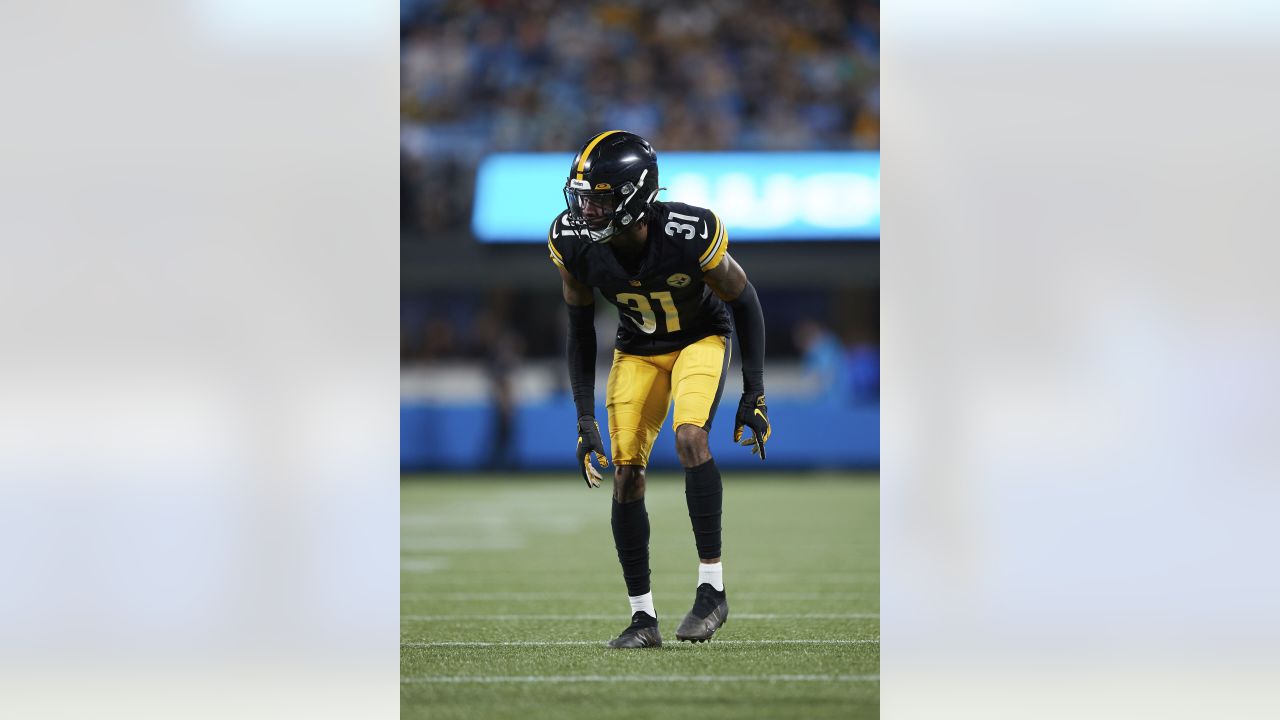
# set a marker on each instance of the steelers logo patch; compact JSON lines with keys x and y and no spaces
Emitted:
{"x":678,"y":280}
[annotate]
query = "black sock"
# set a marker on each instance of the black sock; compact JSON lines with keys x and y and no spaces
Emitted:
{"x":703,"y":494}
{"x":631,"y":538}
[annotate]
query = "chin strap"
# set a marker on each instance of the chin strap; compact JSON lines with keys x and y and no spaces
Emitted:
{"x":606,"y":236}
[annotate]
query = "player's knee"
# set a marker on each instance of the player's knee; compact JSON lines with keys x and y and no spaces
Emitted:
{"x":691,"y":445}
{"x":628,"y":483}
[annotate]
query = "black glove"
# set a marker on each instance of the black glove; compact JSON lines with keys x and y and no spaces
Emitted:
{"x":753,"y":413}
{"x":589,"y":442}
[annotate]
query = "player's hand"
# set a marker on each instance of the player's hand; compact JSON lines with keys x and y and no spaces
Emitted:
{"x":589,"y":442}
{"x":752,"y":413}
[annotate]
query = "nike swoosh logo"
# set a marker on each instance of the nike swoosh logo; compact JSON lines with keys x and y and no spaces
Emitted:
{"x":704,"y":229}
{"x":639,"y":326}
{"x":555,"y":232}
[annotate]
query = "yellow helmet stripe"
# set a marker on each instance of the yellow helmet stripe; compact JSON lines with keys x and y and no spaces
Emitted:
{"x":582,"y":160}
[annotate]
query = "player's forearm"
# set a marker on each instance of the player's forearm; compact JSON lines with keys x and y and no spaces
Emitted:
{"x":748,"y":320}
{"x":582,"y":357}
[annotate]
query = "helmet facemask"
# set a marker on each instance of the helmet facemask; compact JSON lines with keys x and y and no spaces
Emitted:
{"x":603,"y":212}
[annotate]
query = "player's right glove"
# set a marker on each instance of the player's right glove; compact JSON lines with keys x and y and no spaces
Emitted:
{"x":754,"y":414}
{"x":589,"y":442}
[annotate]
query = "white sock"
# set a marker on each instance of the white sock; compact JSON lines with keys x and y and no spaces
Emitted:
{"x":711,"y":573}
{"x":643,"y":603}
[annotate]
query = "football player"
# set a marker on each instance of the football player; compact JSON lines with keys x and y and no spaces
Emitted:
{"x":680,"y":295}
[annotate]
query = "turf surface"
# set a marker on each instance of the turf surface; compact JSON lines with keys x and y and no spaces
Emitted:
{"x":509,"y":589}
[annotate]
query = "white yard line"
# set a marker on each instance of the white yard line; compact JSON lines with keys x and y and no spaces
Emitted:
{"x":633,"y":678}
{"x":800,"y":578}
{"x":449,"y":595}
{"x":615,"y":616}
{"x":549,"y":643}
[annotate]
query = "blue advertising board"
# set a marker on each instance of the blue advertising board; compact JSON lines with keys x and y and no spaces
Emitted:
{"x":767,"y":196}
{"x":460,"y":436}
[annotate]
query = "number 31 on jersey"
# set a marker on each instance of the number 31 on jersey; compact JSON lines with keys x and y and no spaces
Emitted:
{"x":641,"y":304}
{"x":685,"y":229}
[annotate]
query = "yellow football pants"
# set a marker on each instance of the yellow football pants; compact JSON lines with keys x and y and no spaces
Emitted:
{"x":641,"y":388}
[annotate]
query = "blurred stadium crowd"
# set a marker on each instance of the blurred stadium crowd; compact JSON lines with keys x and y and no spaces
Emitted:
{"x":541,"y":75}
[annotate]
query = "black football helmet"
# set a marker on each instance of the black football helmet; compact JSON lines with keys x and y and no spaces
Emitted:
{"x":612,"y":180}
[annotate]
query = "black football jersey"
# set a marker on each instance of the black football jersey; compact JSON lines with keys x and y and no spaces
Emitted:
{"x":664,"y":305}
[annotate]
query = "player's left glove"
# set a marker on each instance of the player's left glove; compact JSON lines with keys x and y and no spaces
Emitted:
{"x":752,"y":413}
{"x":589,"y":442}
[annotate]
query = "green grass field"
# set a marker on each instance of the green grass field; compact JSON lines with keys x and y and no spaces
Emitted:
{"x":509,"y":588}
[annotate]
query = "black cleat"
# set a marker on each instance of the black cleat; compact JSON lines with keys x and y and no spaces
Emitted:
{"x":710,"y":611}
{"x":642,"y":633}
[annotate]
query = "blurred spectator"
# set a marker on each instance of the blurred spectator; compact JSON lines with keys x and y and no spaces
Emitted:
{"x":543,"y":75}
{"x":863,"y":367}
{"x":502,"y":348}
{"x":823,"y":357}
{"x":504,"y":358}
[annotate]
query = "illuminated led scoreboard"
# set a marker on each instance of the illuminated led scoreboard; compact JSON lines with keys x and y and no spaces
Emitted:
{"x":762,"y":197}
